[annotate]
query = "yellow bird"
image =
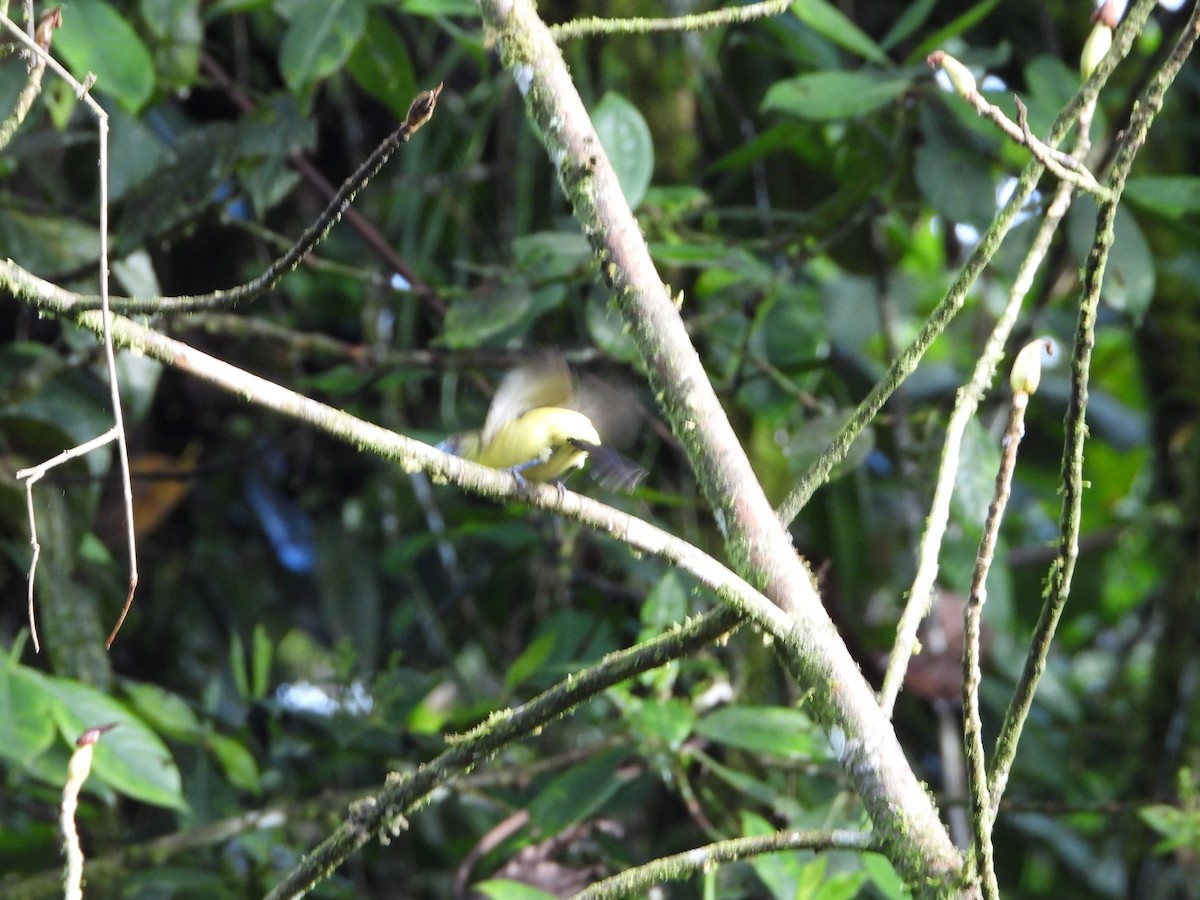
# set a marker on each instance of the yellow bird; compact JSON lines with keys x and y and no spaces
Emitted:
{"x":540,"y":427}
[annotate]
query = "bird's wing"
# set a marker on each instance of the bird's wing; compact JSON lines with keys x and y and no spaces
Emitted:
{"x":612,"y":407}
{"x":543,"y":381}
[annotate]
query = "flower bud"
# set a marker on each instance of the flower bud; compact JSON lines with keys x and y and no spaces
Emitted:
{"x":960,"y":76}
{"x":1095,"y":49}
{"x":1027,"y":369}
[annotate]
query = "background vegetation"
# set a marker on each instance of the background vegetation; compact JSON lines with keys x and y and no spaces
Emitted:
{"x":310,"y":617}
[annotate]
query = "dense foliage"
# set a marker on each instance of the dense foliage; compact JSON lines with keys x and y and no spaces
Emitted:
{"x":311,"y":617}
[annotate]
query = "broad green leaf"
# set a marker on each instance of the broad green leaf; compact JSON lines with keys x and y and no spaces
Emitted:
{"x":826,"y":96}
{"x":883,"y":876}
{"x":577,"y":794}
{"x":952,"y":175}
{"x":775,"y":730}
{"x":381,"y":65}
{"x":780,"y":872}
{"x":442,"y":8}
{"x":1050,"y":85}
{"x":626,"y":139}
{"x":167,"y":712}
{"x":227,"y":7}
{"x":832,"y":23}
{"x":178,"y":34}
{"x":266,"y":141}
{"x":69,"y":408}
{"x":26,"y":728}
{"x":610,"y":333}
{"x":755,"y":789}
{"x":134,"y":154}
{"x":505,"y":309}
{"x":236,"y":761}
{"x":975,"y":476}
{"x":260,"y":674}
{"x":94,"y":38}
{"x":503,"y":889}
{"x":913,"y":17}
{"x":550,"y":255}
{"x":666,"y":605}
{"x":1169,"y":196}
{"x":667,"y":722}
{"x":959,"y":25}
{"x":531,"y":660}
{"x":319,"y":39}
{"x":130,"y":759}
{"x":1129,"y":276}
{"x":48,"y":244}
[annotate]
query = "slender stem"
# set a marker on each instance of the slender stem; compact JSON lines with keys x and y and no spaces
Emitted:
{"x":920,"y":595}
{"x":638,"y":880}
{"x":1062,"y":569}
{"x":977,"y":782}
{"x":577,"y":28}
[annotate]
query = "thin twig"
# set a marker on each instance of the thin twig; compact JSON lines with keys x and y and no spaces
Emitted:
{"x":1063,"y":166}
{"x":977,"y":784}
{"x":730,"y":15}
{"x":356,"y":220}
{"x":920,"y":595}
{"x":418,"y":114}
{"x":109,"y":355}
{"x":638,"y":880}
{"x":1062,"y":569}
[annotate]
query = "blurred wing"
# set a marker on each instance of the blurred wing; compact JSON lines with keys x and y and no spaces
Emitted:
{"x":609,"y":468}
{"x":614,"y":410}
{"x":543,"y":381}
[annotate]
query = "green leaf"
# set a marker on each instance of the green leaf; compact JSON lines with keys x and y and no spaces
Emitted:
{"x":666,"y":605}
{"x":1169,"y":196}
{"x":626,"y":139}
{"x":953,"y":176}
{"x":913,"y":17}
{"x":503,"y":889}
{"x":260,"y":679}
{"x":227,"y":7}
{"x":826,"y":96}
{"x":236,"y":762}
{"x":780,"y":872}
{"x":48,"y":244}
{"x":130,"y":759}
{"x":26,"y":729}
{"x":756,"y":789}
{"x":381,"y":65}
{"x":833,"y":24}
{"x":668,"y":721}
{"x":238,"y":666}
{"x":883,"y":876}
{"x":266,"y":141}
{"x":167,"y":712}
{"x":319,"y":40}
{"x":532,"y":659}
{"x":577,"y":794}
{"x":1129,"y":276}
{"x":774,"y":730}
{"x":506,"y":309}
{"x":95,"y":38}
{"x":178,"y":34}
{"x":959,"y":25}
{"x":442,"y":8}
{"x":68,"y":408}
